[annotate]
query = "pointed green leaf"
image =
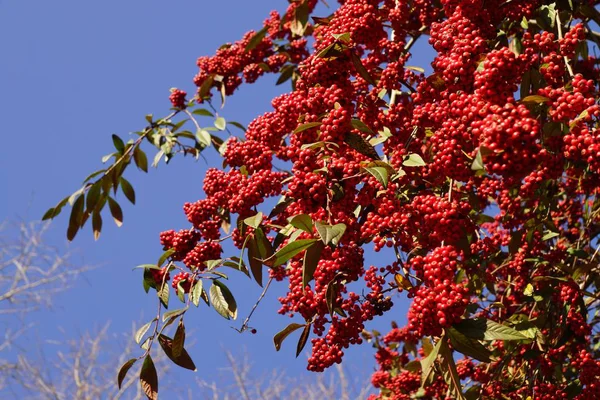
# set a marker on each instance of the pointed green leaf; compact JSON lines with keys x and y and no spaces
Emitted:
{"x":220,"y":123}
{"x":413,"y":160}
{"x":469,"y":347}
{"x":256,"y":39}
{"x":302,"y":221}
{"x":127,"y":190}
{"x":174,"y":313}
{"x":142,"y":331}
{"x":485,"y":329}
{"x":123,"y":371}
{"x":115,"y":211}
{"x":184,"y":360}
{"x":329,"y":233}
{"x":281,"y":336}
{"x":302,"y":340}
{"x":306,"y":126}
{"x":179,"y":340}
{"x":196,"y":292}
{"x":149,"y":379}
{"x":289,"y":251}
{"x":380,"y":173}
{"x":311,"y":260}
{"x":254,"y":221}
{"x":222,"y":300}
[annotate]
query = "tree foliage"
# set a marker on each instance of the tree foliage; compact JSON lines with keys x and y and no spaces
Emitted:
{"x":478,"y":183}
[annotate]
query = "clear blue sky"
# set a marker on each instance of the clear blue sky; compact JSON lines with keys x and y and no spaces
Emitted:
{"x":74,"y":72}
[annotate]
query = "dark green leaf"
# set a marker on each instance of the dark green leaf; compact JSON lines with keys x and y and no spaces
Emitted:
{"x":222,"y":300}
{"x":289,"y":251}
{"x":449,"y":371}
{"x":286,"y":73}
{"x":256,"y":265}
{"x":96,"y":224}
{"x":119,"y":145}
{"x":485,"y":329}
{"x":149,"y":379}
{"x":469,"y":347}
{"x":361,"y":126}
{"x":360,"y":144}
{"x":115,"y":211}
{"x":179,"y":340}
{"x":123,"y":371}
{"x":306,"y":126}
{"x":93,"y":196}
{"x":127,"y":190}
{"x":303,"y":339}
{"x":256,"y":39}
{"x":280,"y":337}
{"x":362,"y":71}
{"x":265,"y":248}
{"x":203,"y":112}
{"x":141,"y":161}
{"x":311,"y":260}
{"x":184,"y":360}
{"x":237,"y":125}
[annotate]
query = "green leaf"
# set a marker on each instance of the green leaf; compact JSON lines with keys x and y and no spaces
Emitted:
{"x":256,"y":39}
{"x":174,"y":313}
{"x":380,"y":173}
{"x":163,"y":294}
{"x":289,"y":251}
{"x":53,"y":212}
{"x":184,"y":360}
{"x":127,"y":190}
{"x":220,"y":123}
{"x":427,"y":363}
{"x":342,"y":37}
{"x":281,"y":336}
{"x":123,"y":371}
{"x":361,"y":126}
{"x":149,"y":379}
{"x":449,"y":371}
{"x":285,"y":74}
{"x":75,"y":218}
{"x":534,"y":98}
{"x":222,"y":300}
{"x":485,"y":329}
{"x":360,"y":144}
{"x":142,"y":331}
{"x":306,"y":126}
{"x":203,"y":112}
{"x":203,"y":137}
{"x":165,"y":256}
{"x":413,"y":160}
{"x":93,"y":175}
{"x":96,"y":224}
{"x":93,"y":195}
{"x":196,"y":292}
{"x":256,"y":266}
{"x":179,"y":340}
{"x":311,"y":260}
{"x":329,"y":233}
{"x":141,"y":161}
{"x":237,"y":125}
{"x":265,"y":248}
{"x":302,"y":340}
{"x":469,"y":347}
{"x":302,"y":221}
{"x":119,"y":145}
{"x":255,"y":220}
{"x":549,"y":235}
{"x":115,"y":211}
{"x":362,"y":71}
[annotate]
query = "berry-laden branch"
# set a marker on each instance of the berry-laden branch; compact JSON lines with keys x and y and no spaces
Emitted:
{"x":483,"y":177}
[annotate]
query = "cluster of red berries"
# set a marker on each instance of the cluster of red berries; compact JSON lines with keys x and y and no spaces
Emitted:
{"x":503,"y":201}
